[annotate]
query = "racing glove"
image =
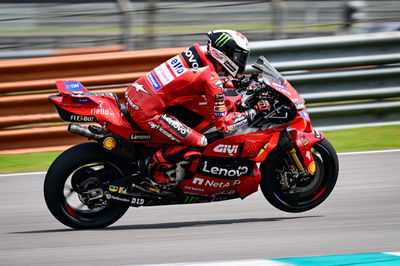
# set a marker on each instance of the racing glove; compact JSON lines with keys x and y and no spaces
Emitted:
{"x":259,"y":110}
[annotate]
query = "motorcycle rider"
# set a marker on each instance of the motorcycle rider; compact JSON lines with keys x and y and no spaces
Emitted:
{"x":192,"y":72}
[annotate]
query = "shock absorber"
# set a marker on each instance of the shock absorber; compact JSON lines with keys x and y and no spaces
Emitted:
{"x":286,"y":143}
{"x":296,"y":159}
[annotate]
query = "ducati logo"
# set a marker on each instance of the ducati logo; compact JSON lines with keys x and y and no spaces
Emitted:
{"x":139,"y":87}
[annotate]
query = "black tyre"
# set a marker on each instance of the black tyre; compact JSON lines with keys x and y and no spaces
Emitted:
{"x":305,"y":195}
{"x":73,"y":187}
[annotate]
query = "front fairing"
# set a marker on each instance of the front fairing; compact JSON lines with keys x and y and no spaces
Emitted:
{"x":273,"y":79}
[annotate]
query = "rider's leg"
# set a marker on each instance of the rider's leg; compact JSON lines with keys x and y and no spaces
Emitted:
{"x":167,"y":126}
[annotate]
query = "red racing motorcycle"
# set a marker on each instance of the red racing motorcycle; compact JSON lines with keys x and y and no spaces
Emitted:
{"x":91,"y":186}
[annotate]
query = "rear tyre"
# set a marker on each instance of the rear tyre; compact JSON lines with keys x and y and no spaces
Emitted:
{"x":304,"y":196}
{"x":73,"y":187}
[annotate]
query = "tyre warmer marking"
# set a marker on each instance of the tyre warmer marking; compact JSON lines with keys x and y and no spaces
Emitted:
{"x":367,"y":259}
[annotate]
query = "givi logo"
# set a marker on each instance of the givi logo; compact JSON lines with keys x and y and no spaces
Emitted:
{"x":228,"y":149}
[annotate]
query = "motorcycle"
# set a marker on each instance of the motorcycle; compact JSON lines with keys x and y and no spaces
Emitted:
{"x":91,"y":185}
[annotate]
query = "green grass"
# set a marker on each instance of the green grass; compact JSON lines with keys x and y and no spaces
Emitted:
{"x":369,"y":138}
{"x":27,"y":162}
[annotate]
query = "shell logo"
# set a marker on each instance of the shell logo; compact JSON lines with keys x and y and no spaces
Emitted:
{"x":109,"y":143}
{"x":312,"y":168}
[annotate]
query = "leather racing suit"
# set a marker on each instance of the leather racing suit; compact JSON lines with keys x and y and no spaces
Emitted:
{"x":188,"y":73}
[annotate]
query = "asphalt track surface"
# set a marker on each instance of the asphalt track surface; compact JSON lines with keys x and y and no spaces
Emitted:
{"x":362,"y":215}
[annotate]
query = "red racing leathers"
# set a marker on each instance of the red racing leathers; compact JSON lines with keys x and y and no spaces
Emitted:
{"x":186,"y":74}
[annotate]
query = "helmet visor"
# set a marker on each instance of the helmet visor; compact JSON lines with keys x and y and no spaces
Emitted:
{"x":240,"y":58}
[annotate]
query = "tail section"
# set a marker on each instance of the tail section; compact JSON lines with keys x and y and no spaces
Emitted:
{"x":69,"y":86}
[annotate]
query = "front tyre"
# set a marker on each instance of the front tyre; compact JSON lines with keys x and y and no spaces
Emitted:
{"x":301,"y":196}
{"x":73,"y":187}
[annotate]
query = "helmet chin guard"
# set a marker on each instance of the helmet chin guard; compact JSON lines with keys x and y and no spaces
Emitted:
{"x":230,"y":49}
{"x":225,"y":61}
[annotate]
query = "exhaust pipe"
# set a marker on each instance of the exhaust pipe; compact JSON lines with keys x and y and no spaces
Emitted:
{"x":84,"y":131}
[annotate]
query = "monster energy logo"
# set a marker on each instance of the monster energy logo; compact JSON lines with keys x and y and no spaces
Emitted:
{"x":222,"y":39}
{"x":191,"y":199}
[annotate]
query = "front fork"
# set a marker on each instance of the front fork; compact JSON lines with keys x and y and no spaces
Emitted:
{"x":304,"y":141}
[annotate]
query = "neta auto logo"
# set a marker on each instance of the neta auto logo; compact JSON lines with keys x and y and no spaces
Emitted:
{"x":211,"y":183}
{"x":225,"y":148}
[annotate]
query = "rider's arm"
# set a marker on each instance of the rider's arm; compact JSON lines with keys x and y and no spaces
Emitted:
{"x":226,"y":121}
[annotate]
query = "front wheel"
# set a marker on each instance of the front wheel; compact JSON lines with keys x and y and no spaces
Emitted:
{"x":304,"y":195}
{"x":73,"y":187}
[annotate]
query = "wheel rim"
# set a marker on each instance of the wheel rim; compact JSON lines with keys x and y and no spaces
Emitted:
{"x":78,"y":200}
{"x":310,"y":192}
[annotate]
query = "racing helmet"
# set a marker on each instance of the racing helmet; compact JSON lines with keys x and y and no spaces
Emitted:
{"x":229,"y":48}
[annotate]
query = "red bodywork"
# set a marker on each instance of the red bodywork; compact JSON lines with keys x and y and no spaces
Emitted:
{"x":228,"y":166}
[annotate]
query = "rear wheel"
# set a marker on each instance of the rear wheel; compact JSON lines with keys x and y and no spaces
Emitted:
{"x":305,"y":194}
{"x":73,"y":187}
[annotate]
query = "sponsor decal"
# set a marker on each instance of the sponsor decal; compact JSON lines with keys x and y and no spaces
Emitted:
{"x":231,"y":66}
{"x":217,"y":114}
{"x":217,"y":54}
{"x":212,"y":183}
{"x":300,"y":106}
{"x":312,"y":168}
{"x":222,"y":39}
{"x":176,"y":125}
{"x":230,"y":150}
{"x":99,"y":111}
{"x":219,"y":108}
{"x":241,"y":35}
{"x":226,"y":168}
{"x":223,"y":59}
{"x":317,"y":134}
{"x":140,"y":137}
{"x":164,"y":74}
{"x":81,"y":100}
{"x":109,"y":143}
{"x":192,"y":58}
{"x":194,"y":189}
{"x":219,"y":96}
{"x":129,"y":101}
{"x":304,"y":140}
{"x":139,"y":87}
{"x":225,"y":192}
{"x":73,"y":85}
{"x":238,"y":122}
{"x":81,"y":118}
{"x":137,"y":201}
{"x":225,"y":171}
{"x":191,"y":199}
{"x":163,"y":131}
{"x":153,"y":81}
{"x":108,"y":196}
{"x":124,"y":191}
{"x":177,"y":66}
{"x":113,"y":188}
{"x":305,"y":115}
